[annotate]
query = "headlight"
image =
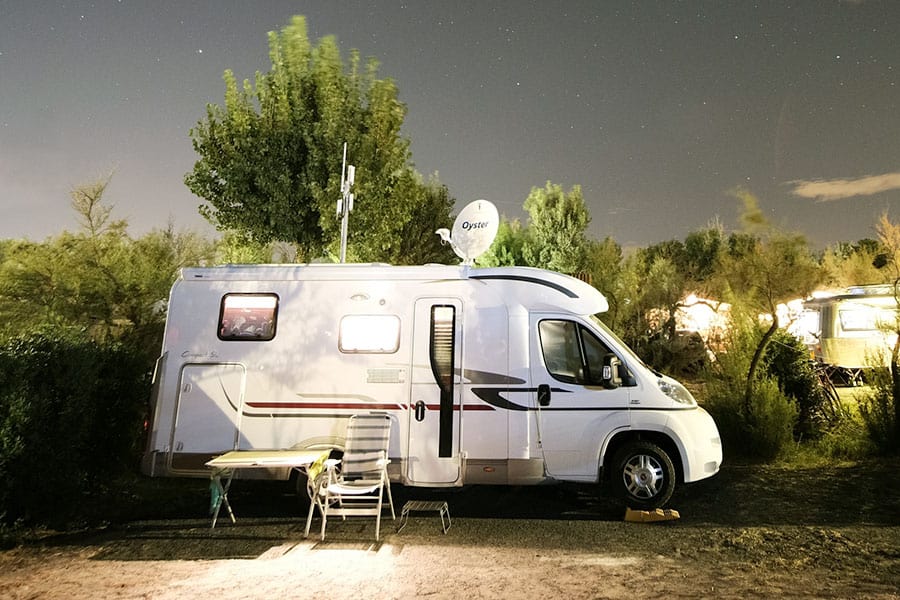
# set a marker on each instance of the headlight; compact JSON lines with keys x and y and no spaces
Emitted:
{"x":676,"y":392}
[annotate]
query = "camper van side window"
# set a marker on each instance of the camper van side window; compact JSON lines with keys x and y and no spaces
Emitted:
{"x":571,"y":353}
{"x":248,"y":317}
{"x":374,"y":334}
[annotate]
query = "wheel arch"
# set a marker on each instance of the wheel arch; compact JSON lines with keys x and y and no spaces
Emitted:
{"x":661,"y":439}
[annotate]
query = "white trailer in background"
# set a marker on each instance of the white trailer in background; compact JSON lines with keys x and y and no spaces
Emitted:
{"x":851,"y":331}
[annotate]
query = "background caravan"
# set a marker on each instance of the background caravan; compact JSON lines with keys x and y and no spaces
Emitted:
{"x":852,"y":331}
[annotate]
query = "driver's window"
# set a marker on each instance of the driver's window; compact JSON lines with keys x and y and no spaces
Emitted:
{"x":571,"y":352}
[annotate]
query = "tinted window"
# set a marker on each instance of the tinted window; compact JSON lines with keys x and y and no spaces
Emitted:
{"x":571,"y":352}
{"x":248,"y":317}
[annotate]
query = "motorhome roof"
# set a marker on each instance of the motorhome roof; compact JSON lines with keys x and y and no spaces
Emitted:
{"x":862,"y":293}
{"x":578,"y":296}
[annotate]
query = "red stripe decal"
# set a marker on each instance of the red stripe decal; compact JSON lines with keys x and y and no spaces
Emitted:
{"x":353,"y":405}
{"x":324,"y":405}
{"x":467,"y":407}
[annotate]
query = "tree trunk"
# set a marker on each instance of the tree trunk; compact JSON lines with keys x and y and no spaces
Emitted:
{"x":754,"y":363}
{"x":895,"y":390}
{"x":895,"y":368}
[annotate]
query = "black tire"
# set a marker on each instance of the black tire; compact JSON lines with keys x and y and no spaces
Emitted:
{"x":643,"y":475}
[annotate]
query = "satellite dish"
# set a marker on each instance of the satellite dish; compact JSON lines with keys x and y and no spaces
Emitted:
{"x":473,"y":231}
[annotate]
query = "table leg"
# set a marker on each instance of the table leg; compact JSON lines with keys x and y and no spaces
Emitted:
{"x":220,"y":497}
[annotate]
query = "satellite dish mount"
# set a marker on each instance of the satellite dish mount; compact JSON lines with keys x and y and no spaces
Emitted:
{"x":473,"y":231}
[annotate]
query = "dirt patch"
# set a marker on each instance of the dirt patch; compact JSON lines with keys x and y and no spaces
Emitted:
{"x":751,"y":531}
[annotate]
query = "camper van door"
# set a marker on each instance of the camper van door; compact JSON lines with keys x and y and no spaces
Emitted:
{"x":576,"y":413}
{"x":207,"y":414}
{"x":435,"y":392}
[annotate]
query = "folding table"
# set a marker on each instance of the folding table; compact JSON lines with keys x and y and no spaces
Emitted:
{"x":226,"y":464}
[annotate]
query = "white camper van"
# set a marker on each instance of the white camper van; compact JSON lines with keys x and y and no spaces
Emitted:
{"x":491,"y":376}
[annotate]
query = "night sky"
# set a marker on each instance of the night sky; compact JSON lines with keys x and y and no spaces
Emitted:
{"x":656,"y":108}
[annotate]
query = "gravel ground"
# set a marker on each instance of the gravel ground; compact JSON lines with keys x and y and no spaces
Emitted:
{"x":750,"y":532}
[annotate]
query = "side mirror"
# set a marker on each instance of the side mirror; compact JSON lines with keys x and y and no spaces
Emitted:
{"x":611,"y":379}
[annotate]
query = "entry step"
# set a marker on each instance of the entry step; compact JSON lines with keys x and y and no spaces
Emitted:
{"x":425,"y":506}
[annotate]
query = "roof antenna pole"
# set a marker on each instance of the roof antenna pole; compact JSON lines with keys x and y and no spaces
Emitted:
{"x":345,"y":203}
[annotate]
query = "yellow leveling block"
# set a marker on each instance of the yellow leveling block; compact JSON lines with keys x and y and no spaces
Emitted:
{"x":651,"y":516}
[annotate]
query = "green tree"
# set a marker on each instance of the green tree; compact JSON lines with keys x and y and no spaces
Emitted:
{"x":556,"y":229}
{"x":603,"y":263}
{"x":889,"y":238}
{"x":664,"y":284}
{"x":651,"y":289}
{"x":33,"y":287}
{"x":70,"y":279}
{"x":430,"y":209}
{"x":98,"y":279}
{"x":702,"y":250}
{"x":237,"y":247}
{"x":845,"y":264}
{"x":648,"y":288}
{"x":763,"y":268}
{"x":146,"y":270}
{"x":506,"y":250}
{"x":271,"y":158}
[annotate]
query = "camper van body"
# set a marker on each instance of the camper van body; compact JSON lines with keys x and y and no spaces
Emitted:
{"x":491,"y":376}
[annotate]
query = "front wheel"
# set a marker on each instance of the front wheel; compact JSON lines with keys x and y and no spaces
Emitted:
{"x":643,"y":475}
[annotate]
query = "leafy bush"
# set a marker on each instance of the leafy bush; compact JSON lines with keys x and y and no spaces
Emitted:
{"x":877,"y":411}
{"x":787,"y":360}
{"x":848,"y":440}
{"x":71,"y":417}
{"x":723,"y":402}
{"x":770,"y":423}
{"x":765,"y":431}
{"x":765,"y":428}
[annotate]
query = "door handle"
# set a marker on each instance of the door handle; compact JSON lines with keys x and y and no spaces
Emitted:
{"x":420,"y":411}
{"x":544,"y":394}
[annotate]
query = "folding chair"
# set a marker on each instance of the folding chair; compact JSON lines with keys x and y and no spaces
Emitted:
{"x":358,"y":488}
{"x":316,"y":477}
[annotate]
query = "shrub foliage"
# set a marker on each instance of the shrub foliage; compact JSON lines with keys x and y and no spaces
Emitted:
{"x":879,"y":413}
{"x":71,"y":419}
{"x":787,"y":360}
